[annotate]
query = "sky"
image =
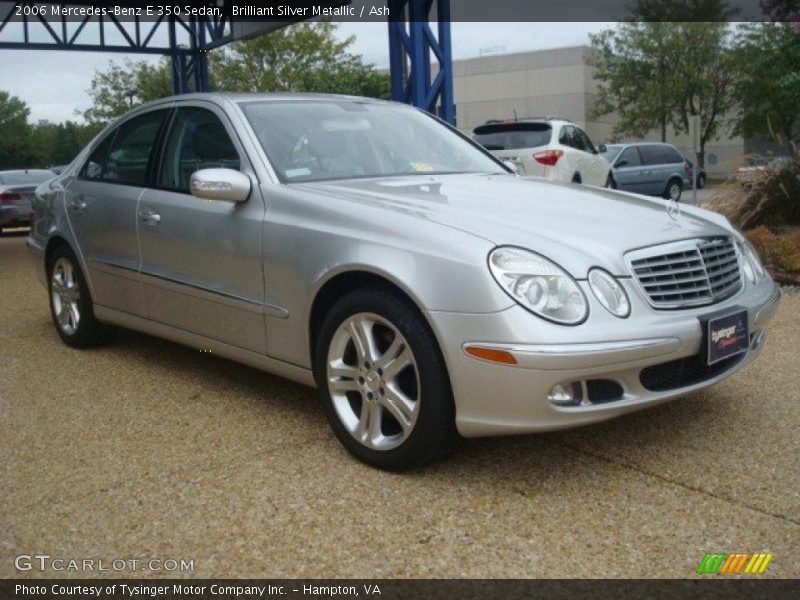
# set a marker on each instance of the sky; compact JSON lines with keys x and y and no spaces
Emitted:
{"x":54,"y":84}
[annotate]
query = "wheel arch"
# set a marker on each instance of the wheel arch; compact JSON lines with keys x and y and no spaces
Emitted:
{"x":56,"y":241}
{"x":344,"y":281}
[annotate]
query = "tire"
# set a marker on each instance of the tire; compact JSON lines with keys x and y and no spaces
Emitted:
{"x":674,"y":189}
{"x":418,"y":394}
{"x":610,"y":183}
{"x":701,"y":181}
{"x":576,"y":178}
{"x":71,"y":304}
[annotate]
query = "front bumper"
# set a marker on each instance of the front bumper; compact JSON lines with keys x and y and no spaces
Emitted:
{"x":497,"y":399}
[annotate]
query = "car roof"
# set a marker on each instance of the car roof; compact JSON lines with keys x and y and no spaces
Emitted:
{"x":626,"y":144}
{"x":221,"y":97}
{"x":26,"y":171}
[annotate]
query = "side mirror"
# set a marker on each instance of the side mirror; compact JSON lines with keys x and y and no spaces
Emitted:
{"x":220,"y":184}
{"x":511,"y":165}
{"x":602,"y":148}
{"x":622,"y":163}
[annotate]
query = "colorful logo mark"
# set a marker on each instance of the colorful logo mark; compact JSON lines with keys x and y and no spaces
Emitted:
{"x":733,"y":564}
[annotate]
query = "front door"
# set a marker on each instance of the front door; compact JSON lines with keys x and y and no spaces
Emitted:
{"x":101,"y":206}
{"x":629,"y":171}
{"x":201,"y":259}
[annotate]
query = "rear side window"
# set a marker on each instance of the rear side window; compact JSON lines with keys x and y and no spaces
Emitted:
{"x":197,"y":140}
{"x":124,"y":155}
{"x":582,"y":141}
{"x":660,"y":154}
{"x":513,"y":136}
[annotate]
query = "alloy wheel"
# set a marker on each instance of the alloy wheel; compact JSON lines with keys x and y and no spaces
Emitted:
{"x":373,"y":381}
{"x":65,"y":296}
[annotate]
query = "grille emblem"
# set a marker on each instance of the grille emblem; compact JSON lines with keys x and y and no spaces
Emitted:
{"x":674,"y":209}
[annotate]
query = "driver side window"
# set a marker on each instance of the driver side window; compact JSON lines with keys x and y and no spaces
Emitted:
{"x":197,"y":140}
{"x":629,"y":158}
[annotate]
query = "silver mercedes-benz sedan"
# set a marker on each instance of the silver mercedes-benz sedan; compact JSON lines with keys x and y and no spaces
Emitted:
{"x":368,"y":249}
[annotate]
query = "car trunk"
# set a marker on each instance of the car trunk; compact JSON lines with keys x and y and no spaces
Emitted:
{"x":517,"y":142}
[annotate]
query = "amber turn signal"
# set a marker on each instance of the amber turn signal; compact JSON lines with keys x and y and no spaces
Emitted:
{"x":491,"y":354}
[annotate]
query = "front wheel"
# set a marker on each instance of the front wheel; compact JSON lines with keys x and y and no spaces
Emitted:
{"x":673,"y":190}
{"x":383,"y":382}
{"x":70,"y":302}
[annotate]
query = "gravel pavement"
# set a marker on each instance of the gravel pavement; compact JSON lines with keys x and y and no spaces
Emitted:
{"x":148,"y":449}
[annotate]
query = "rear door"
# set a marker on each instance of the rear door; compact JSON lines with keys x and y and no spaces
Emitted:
{"x":201,"y":259}
{"x":101,"y":206}
{"x":656,"y":171}
{"x":517,"y":142}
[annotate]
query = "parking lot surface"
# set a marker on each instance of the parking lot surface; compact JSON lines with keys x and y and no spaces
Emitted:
{"x":147,"y":449}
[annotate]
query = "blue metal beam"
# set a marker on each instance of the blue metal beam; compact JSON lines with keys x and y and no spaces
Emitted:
{"x":412,"y":46}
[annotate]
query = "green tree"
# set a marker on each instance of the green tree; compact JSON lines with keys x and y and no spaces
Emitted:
{"x":305,"y":57}
{"x":656,"y":74}
{"x":768,"y":81}
{"x":15,"y":148}
{"x":121,"y":86}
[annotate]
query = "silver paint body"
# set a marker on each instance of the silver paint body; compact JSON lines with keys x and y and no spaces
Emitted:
{"x":240,"y":279}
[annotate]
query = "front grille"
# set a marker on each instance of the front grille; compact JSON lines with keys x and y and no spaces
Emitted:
{"x":684,"y":372}
{"x":691,"y":273}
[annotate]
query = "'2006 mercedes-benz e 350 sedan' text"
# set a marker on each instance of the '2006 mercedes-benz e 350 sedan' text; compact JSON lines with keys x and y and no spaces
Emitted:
{"x":370,"y":250}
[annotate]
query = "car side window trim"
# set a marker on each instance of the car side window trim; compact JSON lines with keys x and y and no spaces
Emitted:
{"x":244,"y":164}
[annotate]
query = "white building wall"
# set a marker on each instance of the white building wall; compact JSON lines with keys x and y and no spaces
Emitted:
{"x":559,"y":83}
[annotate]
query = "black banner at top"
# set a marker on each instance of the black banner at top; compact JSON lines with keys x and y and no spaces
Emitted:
{"x":286,"y":11}
{"x":391,"y":589}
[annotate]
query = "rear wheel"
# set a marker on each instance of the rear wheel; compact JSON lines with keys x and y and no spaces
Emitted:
{"x":673,"y":189}
{"x":576,"y":178}
{"x":701,"y":181}
{"x":70,"y":302}
{"x":383,"y":382}
{"x":610,"y":183}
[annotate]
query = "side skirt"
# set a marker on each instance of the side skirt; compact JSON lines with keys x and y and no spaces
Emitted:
{"x":252,"y":359}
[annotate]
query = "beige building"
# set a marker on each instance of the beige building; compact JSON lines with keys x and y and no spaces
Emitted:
{"x":556,"y":83}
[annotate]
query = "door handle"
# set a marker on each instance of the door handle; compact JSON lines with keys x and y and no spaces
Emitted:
{"x":77,"y":203}
{"x":150,"y":217}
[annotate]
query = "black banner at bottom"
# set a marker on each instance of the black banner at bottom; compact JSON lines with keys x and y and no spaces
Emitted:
{"x":390,"y":589}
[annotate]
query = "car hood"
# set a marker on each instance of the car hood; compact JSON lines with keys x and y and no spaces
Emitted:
{"x":576,"y":226}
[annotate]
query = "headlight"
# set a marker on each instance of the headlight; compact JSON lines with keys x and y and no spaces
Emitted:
{"x":610,"y":293}
{"x":539,"y":285}
{"x":751,"y":265}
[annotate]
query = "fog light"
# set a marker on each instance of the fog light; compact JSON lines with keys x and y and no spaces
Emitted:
{"x":566,"y":394}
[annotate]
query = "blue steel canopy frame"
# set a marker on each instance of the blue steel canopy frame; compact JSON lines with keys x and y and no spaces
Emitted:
{"x":411,"y":43}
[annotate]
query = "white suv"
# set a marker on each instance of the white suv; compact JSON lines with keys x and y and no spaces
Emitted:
{"x":546,"y":147}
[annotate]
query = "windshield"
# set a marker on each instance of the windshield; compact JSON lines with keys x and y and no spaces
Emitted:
{"x":318,"y":140}
{"x":513,"y":136}
{"x":24,"y":177}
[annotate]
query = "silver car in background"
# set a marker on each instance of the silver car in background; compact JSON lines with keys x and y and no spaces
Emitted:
{"x":16,"y":194}
{"x":368,"y":249}
{"x":654,"y":169}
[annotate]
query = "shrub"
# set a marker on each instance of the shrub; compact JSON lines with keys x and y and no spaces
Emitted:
{"x":772,"y":200}
{"x":779,"y":250}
